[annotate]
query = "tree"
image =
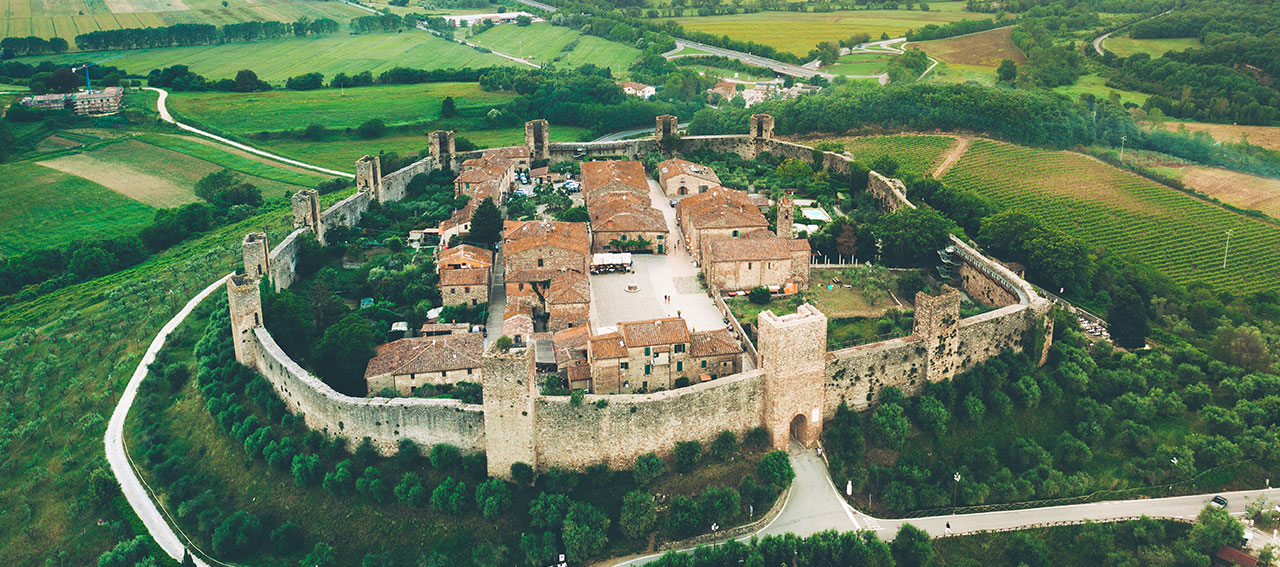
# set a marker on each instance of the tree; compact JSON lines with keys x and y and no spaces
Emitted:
{"x":912,"y":547}
{"x":522,"y":473}
{"x":547,"y":511}
{"x":321,"y":556}
{"x":449,"y":496}
{"x":493,"y":497}
{"x":719,"y":505}
{"x":913,"y":236}
{"x":933,"y":416}
{"x":1008,"y":71}
{"x":584,"y":532}
{"x":341,"y":355}
{"x":648,"y":467}
{"x":1241,"y":346}
{"x":573,"y":214}
{"x":410,"y":491}
{"x":486,"y":224}
{"x":247,"y":81}
{"x":447,"y":108}
{"x":760,"y":295}
{"x":725,"y":445}
{"x":683,"y":516}
{"x":1128,"y":317}
{"x":237,"y":534}
{"x":889,"y":427}
{"x":445,"y":457}
{"x":775,"y":469}
{"x":687,"y":455}
{"x":306,"y":470}
{"x":1215,"y":528}
{"x":523,"y":21}
{"x":638,"y":515}
{"x":372,"y":128}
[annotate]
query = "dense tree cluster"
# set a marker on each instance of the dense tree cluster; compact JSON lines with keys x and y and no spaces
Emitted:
{"x":952,"y":29}
{"x":31,"y":45}
{"x":200,"y":34}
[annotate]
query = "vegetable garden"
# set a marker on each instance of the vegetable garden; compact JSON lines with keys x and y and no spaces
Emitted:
{"x":1174,"y":232}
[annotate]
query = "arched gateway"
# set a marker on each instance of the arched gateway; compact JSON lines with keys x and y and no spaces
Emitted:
{"x":793,"y":350}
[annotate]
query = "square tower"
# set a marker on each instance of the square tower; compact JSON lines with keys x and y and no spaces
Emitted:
{"x":509,"y":389}
{"x":762,"y":126}
{"x":786,"y":214}
{"x":306,"y":212}
{"x":793,"y":350}
{"x":442,"y":148}
{"x":244,"y":301}
{"x":937,"y":326}
{"x":668,"y":127}
{"x":257,"y":263}
{"x":537,"y":136}
{"x":369,"y":176}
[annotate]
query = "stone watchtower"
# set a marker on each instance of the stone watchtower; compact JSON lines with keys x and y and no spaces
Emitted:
{"x":762,"y":126}
{"x":306,"y":212}
{"x":442,"y":148}
{"x":509,"y":389}
{"x":792,"y":352}
{"x":937,"y":325}
{"x":537,"y":136}
{"x":369,"y":176}
{"x":257,"y":260}
{"x":668,"y":128}
{"x":786,"y":212}
{"x":244,"y":302}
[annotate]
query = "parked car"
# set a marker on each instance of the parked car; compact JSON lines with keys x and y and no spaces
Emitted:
{"x":1218,"y":502}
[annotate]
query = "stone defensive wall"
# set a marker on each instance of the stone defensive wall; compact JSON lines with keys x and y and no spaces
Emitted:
{"x":798,"y":383}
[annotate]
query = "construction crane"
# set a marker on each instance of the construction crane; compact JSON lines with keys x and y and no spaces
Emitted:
{"x":87,"y":81}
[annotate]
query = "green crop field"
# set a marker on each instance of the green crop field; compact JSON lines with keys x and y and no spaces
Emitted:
{"x":278,"y":59}
{"x":245,"y":113}
{"x":1126,"y":46}
{"x":798,"y":32}
{"x":1180,"y":235}
{"x":45,"y":208}
{"x":543,"y":43}
{"x":1097,"y":86}
{"x":68,"y":18}
{"x":860,"y":64}
{"x":916,"y":155}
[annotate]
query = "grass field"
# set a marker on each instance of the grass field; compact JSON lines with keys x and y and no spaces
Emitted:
{"x":44,"y":208}
{"x":763,"y":75}
{"x":544,"y":43}
{"x":982,"y":49}
{"x":1104,"y":206}
{"x":953,"y":73}
{"x":1265,"y":136}
{"x":860,"y":64}
{"x":917,"y":155}
{"x":68,"y":18}
{"x":798,"y":32}
{"x":278,"y":59}
{"x":1126,"y":46}
{"x":242,"y":113}
{"x":1097,"y":86}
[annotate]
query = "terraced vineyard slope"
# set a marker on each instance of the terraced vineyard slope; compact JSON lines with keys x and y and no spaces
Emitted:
{"x":1104,"y":206}
{"x":917,"y":155}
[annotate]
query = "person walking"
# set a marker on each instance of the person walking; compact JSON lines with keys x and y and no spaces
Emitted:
{"x":948,"y":528}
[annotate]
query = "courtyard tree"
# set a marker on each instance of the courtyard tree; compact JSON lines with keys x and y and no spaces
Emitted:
{"x":486,"y":224}
{"x":342,"y":354}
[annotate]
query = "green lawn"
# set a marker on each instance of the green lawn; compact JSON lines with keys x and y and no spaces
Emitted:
{"x":543,"y":43}
{"x":1098,"y":87}
{"x":278,"y":59}
{"x":860,"y":64}
{"x":798,"y":32}
{"x":1126,"y":46}
{"x":246,"y":113}
{"x":45,"y":208}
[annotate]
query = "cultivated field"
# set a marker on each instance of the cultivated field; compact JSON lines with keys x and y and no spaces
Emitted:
{"x":982,"y":49}
{"x":1240,"y":189}
{"x":1265,"y":136}
{"x":1097,"y":86}
{"x":45,"y":208}
{"x":242,"y":113}
{"x":860,"y":64}
{"x":798,"y":32}
{"x":278,"y":59}
{"x":68,"y":18}
{"x":916,"y":155}
{"x":1104,"y":206}
{"x":1126,"y":46}
{"x":544,"y":43}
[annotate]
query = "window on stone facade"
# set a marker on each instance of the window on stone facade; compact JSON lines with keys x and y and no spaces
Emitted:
{"x":748,"y":265}
{"x":735,"y":234}
{"x":679,"y":348}
{"x":679,"y":366}
{"x":648,"y":369}
{"x":442,"y":373}
{"x":624,"y":365}
{"x":704,"y":364}
{"x":466,"y":289}
{"x":646,"y":351}
{"x":468,"y":371}
{"x":539,"y":262}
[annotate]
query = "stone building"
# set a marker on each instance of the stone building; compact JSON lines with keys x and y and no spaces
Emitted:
{"x":741,"y":264}
{"x":458,"y":224}
{"x":492,"y":177}
{"x":463,"y":256}
{"x":651,"y":355}
{"x":622,"y":215}
{"x":570,"y":347}
{"x":546,"y":265}
{"x":517,"y":155}
{"x":410,"y":363}
{"x":638,"y":89}
{"x":718,"y":214}
{"x":681,"y":177}
{"x":567,"y":301}
{"x":464,"y":286}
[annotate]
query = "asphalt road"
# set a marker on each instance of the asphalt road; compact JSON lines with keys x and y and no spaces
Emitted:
{"x":628,"y":133}
{"x":774,"y":65}
{"x":130,"y":485}
{"x":164,"y":115}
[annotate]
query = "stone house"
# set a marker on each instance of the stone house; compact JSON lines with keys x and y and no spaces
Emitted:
{"x":652,"y":355}
{"x":458,"y":224}
{"x":440,"y":360}
{"x":517,"y":323}
{"x":545,"y":270}
{"x":621,"y":210}
{"x":719,"y":214}
{"x":464,"y":286}
{"x":570,"y":346}
{"x":762,"y":260}
{"x":517,"y":155}
{"x":681,"y":177}
{"x":545,"y":245}
{"x":567,"y":301}
{"x":492,"y":177}
{"x":463,"y":256}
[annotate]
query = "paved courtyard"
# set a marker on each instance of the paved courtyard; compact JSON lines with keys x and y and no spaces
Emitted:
{"x":657,"y":276}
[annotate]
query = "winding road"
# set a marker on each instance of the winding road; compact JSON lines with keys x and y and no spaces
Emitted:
{"x":771,"y":64}
{"x":1097,"y":41}
{"x":164,"y":115}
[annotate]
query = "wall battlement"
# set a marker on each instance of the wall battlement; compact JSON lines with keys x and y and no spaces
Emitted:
{"x":798,"y":385}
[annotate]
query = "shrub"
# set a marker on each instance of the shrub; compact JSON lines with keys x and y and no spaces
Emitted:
{"x":759,"y":295}
{"x":306,"y":470}
{"x":493,"y":497}
{"x":648,"y":467}
{"x":449,"y":496}
{"x":683,"y":516}
{"x":724,"y":445}
{"x":522,"y":474}
{"x":687,"y":455}
{"x":561,"y":481}
{"x":585,"y":527}
{"x":547,"y":511}
{"x":719,"y":505}
{"x":756,"y":438}
{"x":237,"y":534}
{"x":371,"y":129}
{"x":638,"y":515}
{"x":445,"y":457}
{"x":410,"y":491}
{"x":775,"y":469}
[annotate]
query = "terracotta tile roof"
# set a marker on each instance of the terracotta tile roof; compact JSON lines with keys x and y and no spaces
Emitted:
{"x":464,"y":254}
{"x":464,"y":276}
{"x":721,"y":207}
{"x":608,"y":346}
{"x":531,"y":275}
{"x":524,"y":235}
{"x":627,"y":174}
{"x":508,"y":152}
{"x":620,"y":212}
{"x":748,"y":249}
{"x":427,"y":354}
{"x":569,"y":287}
{"x":677,"y":166}
{"x":573,"y":337}
{"x":633,"y":85}
{"x":1234,"y":556}
{"x":654,"y":332}
{"x":516,"y":310}
{"x":459,"y":217}
{"x":483,"y":174}
{"x":539,"y":171}
{"x":712,"y":343}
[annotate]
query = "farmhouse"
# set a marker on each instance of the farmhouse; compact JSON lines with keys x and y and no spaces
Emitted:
{"x":621,"y":210}
{"x":651,"y":355}
{"x":638,"y":89}
{"x":410,"y":363}
{"x":468,"y":20}
{"x":720,"y":213}
{"x":681,"y":177}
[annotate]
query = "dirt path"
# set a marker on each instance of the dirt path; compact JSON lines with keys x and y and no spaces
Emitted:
{"x":952,"y":156}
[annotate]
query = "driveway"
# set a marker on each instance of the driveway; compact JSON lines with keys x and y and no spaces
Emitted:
{"x":657,"y":276}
